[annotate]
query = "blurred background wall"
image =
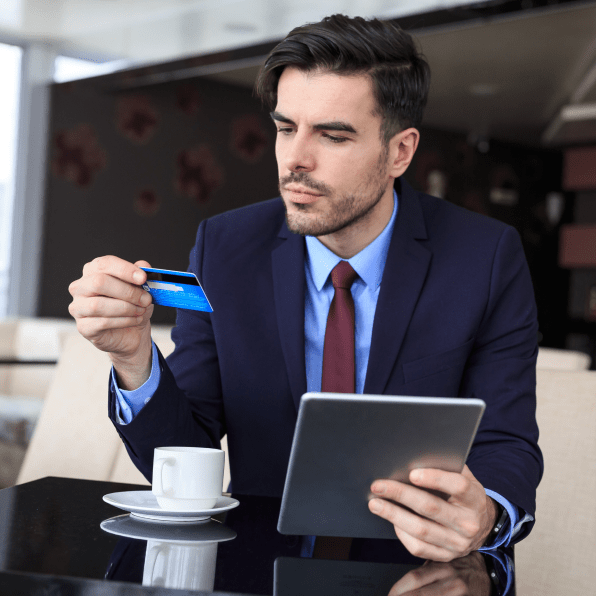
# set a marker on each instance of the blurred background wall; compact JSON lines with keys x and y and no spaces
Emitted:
{"x":133,"y":173}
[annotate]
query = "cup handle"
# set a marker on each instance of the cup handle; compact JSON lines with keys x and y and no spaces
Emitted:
{"x":162,"y":464}
{"x":152,"y":557}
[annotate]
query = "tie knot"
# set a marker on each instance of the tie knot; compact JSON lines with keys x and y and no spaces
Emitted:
{"x":343,"y":276}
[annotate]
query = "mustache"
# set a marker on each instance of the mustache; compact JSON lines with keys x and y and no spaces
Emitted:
{"x":305,"y":180}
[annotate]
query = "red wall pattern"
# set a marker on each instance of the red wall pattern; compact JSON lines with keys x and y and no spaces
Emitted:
{"x":132,"y":173}
{"x":579,"y":168}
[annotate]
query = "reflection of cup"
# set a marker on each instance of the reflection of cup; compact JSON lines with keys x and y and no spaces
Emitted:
{"x":187,"y":478}
{"x":189,"y":566}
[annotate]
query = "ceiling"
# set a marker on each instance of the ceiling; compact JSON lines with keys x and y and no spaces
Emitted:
{"x":145,"y":31}
{"x":529,"y":79}
{"x":527,"y":76}
{"x":510,"y":78}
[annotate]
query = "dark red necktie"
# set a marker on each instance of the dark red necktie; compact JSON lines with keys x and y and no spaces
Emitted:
{"x":339,"y":369}
{"x":339,"y":374}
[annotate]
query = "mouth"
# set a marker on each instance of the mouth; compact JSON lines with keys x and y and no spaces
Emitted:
{"x":298,"y":194}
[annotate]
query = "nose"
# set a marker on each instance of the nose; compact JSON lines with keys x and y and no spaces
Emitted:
{"x":298,"y":153}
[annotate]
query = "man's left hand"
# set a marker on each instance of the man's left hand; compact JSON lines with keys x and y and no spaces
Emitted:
{"x":436,"y":529}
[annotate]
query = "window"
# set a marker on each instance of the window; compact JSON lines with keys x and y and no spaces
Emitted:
{"x":10,"y":75}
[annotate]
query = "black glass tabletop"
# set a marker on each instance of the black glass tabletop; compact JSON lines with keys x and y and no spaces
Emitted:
{"x":58,"y":536}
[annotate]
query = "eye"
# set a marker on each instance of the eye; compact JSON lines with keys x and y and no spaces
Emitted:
{"x":285,"y":130}
{"x":334,"y":139}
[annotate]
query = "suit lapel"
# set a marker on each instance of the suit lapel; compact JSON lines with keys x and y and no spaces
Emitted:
{"x":404,"y":275}
{"x":287,"y":261}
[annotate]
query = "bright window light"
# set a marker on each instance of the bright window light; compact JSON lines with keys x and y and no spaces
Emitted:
{"x":70,"y":69}
{"x":10,"y":75}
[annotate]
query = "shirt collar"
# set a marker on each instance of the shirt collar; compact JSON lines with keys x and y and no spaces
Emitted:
{"x":369,"y":263}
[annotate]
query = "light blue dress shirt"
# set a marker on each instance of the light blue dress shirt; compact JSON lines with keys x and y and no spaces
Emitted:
{"x":369,"y":264}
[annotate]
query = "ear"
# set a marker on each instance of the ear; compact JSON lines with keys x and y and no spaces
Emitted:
{"x":401,"y":151}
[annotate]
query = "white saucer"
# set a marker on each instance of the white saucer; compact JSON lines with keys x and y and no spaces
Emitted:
{"x":143,"y":504}
{"x":209,"y":531}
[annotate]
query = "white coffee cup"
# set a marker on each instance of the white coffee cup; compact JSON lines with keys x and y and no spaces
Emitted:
{"x":187,"y":478}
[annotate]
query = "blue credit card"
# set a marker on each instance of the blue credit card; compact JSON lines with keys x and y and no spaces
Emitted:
{"x":178,"y":289}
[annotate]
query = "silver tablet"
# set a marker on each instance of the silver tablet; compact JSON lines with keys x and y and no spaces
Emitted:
{"x":343,"y":442}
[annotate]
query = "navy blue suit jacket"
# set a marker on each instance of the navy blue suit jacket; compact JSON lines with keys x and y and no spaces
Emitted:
{"x":455,"y":317}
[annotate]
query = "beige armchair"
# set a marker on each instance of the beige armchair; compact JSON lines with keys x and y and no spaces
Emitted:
{"x":30,"y":339}
{"x":562,"y":359}
{"x":23,"y":386}
{"x":559,"y":556}
{"x":74,"y":437}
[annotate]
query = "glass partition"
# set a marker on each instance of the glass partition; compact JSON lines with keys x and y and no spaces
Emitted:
{"x":10,"y":75}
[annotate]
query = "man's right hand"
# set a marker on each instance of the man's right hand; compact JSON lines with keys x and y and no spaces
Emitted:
{"x":113,"y":312}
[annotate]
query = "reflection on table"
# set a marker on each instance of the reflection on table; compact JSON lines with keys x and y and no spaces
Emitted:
{"x":58,"y":534}
{"x":178,"y":556}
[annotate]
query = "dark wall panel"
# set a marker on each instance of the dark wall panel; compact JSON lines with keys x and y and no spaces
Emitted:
{"x":133,"y":174}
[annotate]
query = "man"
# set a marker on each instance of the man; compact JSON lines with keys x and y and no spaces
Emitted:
{"x":443,"y":300}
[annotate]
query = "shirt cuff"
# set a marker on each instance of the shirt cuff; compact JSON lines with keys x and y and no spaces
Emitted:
{"x":130,"y":403}
{"x":516,"y":519}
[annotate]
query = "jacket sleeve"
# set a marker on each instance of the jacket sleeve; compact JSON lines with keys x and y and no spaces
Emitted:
{"x":501,"y":370}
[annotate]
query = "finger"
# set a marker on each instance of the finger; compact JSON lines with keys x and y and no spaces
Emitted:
{"x":423,"y":549}
{"x":462,"y":514}
{"x":94,"y":327}
{"x":425,"y":530}
{"x":116,"y":267}
{"x":449,"y":587}
{"x":454,"y":484}
{"x":422,"y":576}
{"x":468,"y":473}
{"x":100,"y":306}
{"x":100,"y":284}
{"x":143,"y":264}
{"x":416,"y":499}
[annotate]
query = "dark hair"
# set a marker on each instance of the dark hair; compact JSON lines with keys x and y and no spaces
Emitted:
{"x":351,"y":46}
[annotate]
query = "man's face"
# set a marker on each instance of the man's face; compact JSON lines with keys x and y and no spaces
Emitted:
{"x":333,"y":170}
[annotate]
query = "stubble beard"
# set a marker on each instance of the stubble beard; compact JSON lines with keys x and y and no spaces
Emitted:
{"x":344,"y":212}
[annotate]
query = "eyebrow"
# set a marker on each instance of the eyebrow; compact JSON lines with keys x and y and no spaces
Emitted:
{"x":335,"y":125}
